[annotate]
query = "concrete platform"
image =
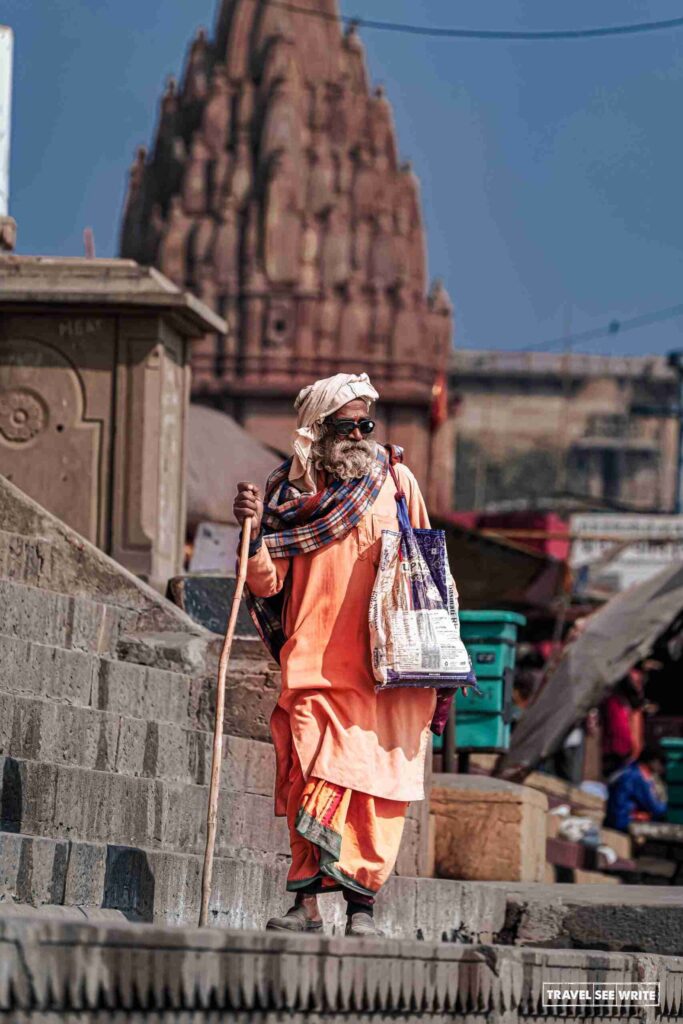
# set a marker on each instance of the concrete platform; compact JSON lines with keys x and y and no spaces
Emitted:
{"x":55,"y":969}
{"x":626,"y":917}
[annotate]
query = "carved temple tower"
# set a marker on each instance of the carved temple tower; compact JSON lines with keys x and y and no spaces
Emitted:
{"x":274,"y":191}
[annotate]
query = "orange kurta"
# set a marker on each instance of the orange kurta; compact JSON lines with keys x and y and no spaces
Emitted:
{"x":329,"y":717}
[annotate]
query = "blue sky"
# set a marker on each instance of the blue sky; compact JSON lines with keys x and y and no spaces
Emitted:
{"x":551,"y":171}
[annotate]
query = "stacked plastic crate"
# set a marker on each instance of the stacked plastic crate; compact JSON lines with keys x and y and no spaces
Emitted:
{"x":673,"y":750}
{"x":482,"y":723}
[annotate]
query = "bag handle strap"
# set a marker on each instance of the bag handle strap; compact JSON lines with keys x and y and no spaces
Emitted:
{"x":400,"y":495}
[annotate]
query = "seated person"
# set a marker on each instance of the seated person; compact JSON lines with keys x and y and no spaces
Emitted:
{"x":632,"y":794}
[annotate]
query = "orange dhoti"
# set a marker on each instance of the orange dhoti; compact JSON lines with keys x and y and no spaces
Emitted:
{"x":340,"y":837}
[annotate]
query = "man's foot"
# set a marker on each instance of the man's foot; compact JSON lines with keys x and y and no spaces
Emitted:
{"x":302,"y":917}
{"x":361,"y":925}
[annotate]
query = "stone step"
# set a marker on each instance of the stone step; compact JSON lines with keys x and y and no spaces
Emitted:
{"x":82,"y":679}
{"x":38,"y":549}
{"x":165,"y":887}
{"x":36,"y":729}
{"x":25,"y":559}
{"x":161,"y":886}
{"x":60,"y":801}
{"x":70,"y":970}
{"x":252,"y":682}
{"x":73,"y":623}
{"x":63,"y":802}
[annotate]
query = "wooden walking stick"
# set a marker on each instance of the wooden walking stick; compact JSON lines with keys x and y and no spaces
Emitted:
{"x":217,"y":756}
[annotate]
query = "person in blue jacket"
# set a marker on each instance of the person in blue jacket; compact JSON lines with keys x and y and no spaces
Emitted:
{"x":632,"y":795}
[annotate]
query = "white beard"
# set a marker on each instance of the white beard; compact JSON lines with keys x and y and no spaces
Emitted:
{"x":344,"y":459}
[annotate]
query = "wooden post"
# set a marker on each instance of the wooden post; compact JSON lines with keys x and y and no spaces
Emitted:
{"x":217,"y":755}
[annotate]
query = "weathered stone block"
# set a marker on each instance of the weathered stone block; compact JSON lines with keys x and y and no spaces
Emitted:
{"x":58,"y":968}
{"x":141,"y":692}
{"x":207,"y":600}
{"x":177,"y":652}
{"x":32,"y":870}
{"x":408,"y":860}
{"x":488,"y":829}
{"x":252,"y":689}
{"x":31,"y":613}
{"x":596,"y":916}
{"x":85,"y":876}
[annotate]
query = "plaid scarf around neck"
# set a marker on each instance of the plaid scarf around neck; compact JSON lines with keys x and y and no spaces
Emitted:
{"x":295,"y":524}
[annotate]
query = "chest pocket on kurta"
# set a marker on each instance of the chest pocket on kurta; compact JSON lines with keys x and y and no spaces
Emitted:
{"x":370,"y":534}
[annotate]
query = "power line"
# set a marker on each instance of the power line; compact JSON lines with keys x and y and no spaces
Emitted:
{"x":485,"y":34}
{"x":610,"y":330}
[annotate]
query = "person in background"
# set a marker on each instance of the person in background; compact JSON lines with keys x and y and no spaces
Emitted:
{"x":567,"y":762}
{"x":617,"y":739}
{"x":632,"y":795}
{"x":623,"y":719}
{"x":527,"y":680}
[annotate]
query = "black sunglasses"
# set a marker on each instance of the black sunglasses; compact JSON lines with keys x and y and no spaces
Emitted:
{"x":346,"y":427}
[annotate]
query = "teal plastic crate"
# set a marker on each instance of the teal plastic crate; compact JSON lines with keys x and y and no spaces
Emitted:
{"x":490,"y":625}
{"x":675,"y":795}
{"x":672,"y":747}
{"x":481,"y":731}
{"x":484,"y":730}
{"x":483,"y":723}
{"x":491,"y":659}
{"x":674,"y":772}
{"x":675,"y":815}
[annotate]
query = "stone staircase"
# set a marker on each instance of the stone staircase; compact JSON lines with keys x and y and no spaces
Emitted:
{"x":106,"y":712}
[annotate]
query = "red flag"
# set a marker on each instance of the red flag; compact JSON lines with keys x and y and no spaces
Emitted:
{"x":438,"y":413}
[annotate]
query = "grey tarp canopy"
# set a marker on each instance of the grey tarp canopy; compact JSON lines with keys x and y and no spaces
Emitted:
{"x":614,"y":639}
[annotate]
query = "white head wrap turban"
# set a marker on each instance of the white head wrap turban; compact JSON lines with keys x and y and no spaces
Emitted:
{"x":314,"y":404}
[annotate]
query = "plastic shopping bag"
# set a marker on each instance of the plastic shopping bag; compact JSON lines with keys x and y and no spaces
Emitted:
{"x":414,"y":626}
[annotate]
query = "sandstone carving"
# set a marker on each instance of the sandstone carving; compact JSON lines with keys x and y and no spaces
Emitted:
{"x":276,"y":139}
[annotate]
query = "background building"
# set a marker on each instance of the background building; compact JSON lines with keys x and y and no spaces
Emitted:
{"x":531,"y":428}
{"x":274,"y":191}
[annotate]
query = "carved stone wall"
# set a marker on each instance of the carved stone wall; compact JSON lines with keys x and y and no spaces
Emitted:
{"x":56,"y":414}
{"x":94,"y":391}
{"x":274,"y":190}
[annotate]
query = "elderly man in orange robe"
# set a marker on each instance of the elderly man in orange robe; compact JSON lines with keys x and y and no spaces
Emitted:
{"x":349,"y":759}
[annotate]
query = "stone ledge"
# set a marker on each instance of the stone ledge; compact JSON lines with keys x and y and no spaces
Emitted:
{"x":52,"y":965}
{"x":39,"y":547}
{"x":486,"y":789}
{"x":621,"y":919}
{"x":113,"y":283}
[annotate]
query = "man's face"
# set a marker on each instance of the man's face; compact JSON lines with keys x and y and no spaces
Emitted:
{"x":345,"y":456}
{"x":355,"y":410}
